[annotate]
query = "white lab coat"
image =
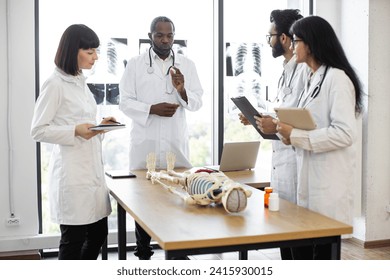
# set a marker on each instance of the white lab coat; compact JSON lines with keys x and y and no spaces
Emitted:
{"x":151,"y":133}
{"x":284,"y":166}
{"x":326,"y":156}
{"x":77,"y":190}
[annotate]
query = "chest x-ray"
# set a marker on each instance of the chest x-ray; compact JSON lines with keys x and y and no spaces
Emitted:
{"x":103,"y":80}
{"x":243,"y":74}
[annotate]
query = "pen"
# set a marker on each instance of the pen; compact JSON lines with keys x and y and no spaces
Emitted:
{"x":113,"y":121}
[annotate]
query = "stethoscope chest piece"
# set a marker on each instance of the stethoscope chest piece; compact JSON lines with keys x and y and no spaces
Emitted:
{"x":286,"y":91}
{"x":150,"y":70}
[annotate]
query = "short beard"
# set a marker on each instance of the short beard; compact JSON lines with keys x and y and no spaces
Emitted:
{"x":277,"y":50}
{"x":160,"y":51}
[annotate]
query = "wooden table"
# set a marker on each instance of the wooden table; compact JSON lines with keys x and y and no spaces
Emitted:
{"x":182,"y":229}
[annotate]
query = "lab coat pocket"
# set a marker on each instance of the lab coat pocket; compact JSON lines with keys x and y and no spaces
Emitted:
{"x":180,"y":130}
{"x":78,"y":203}
{"x":139,"y":133}
{"x":78,"y":163}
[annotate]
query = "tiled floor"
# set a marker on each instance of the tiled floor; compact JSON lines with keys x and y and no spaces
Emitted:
{"x":349,"y":251}
{"x":268,"y":254}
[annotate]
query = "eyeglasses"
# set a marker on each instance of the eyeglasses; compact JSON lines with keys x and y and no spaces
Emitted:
{"x":294,"y":41}
{"x":269,"y":36}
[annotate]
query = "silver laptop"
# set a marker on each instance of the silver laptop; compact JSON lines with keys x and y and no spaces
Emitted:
{"x":239,"y":156}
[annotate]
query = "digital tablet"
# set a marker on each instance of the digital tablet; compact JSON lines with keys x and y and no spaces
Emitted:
{"x":107,"y":127}
{"x":116,"y":174}
{"x":297,"y":117}
{"x":249,"y":112}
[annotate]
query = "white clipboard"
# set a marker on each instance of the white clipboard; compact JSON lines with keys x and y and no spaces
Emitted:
{"x":297,"y":117}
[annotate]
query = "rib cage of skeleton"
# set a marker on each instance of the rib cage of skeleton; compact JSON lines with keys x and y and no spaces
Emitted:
{"x":200,"y":188}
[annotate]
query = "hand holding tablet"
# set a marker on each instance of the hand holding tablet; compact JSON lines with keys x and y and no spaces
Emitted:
{"x":296,"y":117}
{"x":108,"y":127}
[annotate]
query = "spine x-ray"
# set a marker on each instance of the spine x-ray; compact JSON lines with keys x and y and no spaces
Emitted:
{"x":243,"y":73}
{"x":104,"y":79}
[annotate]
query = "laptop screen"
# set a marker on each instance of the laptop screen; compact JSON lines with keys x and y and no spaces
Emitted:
{"x":239,"y":155}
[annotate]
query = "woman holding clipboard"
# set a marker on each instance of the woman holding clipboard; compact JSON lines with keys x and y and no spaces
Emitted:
{"x":326,"y":156}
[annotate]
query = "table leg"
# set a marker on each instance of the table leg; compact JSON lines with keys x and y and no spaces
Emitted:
{"x":243,"y":255}
{"x":105,"y":250}
{"x":121,"y":233}
{"x":336,"y":249}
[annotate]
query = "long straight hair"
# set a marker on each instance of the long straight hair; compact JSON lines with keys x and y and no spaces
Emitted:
{"x":325,"y":47}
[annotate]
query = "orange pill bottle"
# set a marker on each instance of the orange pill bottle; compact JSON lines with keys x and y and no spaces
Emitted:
{"x":267,"y":191}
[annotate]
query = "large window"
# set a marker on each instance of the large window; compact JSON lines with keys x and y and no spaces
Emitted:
{"x":123,"y":25}
{"x":250,"y":68}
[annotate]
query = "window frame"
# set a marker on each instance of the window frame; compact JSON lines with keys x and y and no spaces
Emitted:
{"x":218,"y":94}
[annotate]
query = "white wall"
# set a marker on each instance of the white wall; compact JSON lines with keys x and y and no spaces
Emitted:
{"x":353,"y":9}
{"x":377,"y":149}
{"x":363,"y":26}
{"x":341,"y":15}
{"x":17,"y":77}
{"x":3,"y":114}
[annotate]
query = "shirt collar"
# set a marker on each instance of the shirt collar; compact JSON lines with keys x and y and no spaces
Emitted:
{"x":155,"y":56}
{"x":70,"y":78}
{"x":290,"y":65}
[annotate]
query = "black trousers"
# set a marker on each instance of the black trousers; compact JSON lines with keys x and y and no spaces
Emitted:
{"x":82,"y":242}
{"x":143,"y":250}
{"x":312,"y":252}
{"x":286,"y":253}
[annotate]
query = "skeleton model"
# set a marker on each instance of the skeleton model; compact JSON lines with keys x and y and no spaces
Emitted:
{"x":201,"y":187}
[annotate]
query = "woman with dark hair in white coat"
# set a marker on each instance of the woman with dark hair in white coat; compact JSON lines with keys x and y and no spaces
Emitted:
{"x":326,"y":156}
{"x":64,"y":112}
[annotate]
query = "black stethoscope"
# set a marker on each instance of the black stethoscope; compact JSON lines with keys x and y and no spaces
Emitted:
{"x":150,"y":69}
{"x":286,"y":90}
{"x":316,"y":90}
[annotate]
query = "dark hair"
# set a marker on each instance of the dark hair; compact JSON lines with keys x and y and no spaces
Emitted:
{"x":325,"y":47}
{"x":283,"y":19}
{"x":160,"y":19}
{"x":74,"y":38}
